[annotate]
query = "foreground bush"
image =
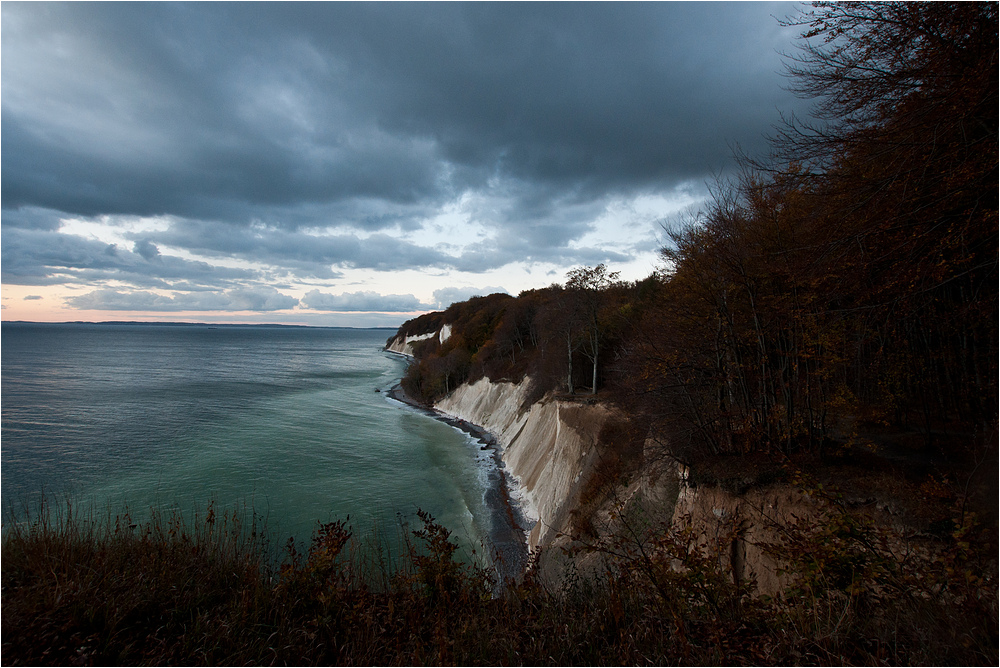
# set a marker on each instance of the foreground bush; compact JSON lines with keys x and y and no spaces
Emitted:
{"x":77,"y":591}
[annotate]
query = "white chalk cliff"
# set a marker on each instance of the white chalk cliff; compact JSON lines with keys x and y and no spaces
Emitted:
{"x":547,"y":448}
{"x":550,"y":448}
{"x":404,"y":344}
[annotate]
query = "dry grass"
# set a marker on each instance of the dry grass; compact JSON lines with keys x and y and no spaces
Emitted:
{"x":166,"y":591}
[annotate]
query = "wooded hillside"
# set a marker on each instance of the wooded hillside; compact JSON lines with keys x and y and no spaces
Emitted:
{"x":847,"y":283}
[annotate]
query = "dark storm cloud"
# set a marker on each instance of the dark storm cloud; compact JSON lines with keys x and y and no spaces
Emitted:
{"x":309,"y":254}
{"x":314,"y":256}
{"x":171,"y":109}
{"x":372,"y":116}
{"x":601,"y":94}
{"x":32,"y":218}
{"x":497,"y":253}
{"x":44,"y":257}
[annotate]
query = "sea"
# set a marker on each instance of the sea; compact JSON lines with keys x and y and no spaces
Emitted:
{"x":293,"y":423}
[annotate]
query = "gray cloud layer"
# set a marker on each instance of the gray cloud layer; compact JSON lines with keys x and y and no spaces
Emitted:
{"x":446,"y":296}
{"x":44,"y":257}
{"x":362,"y":301}
{"x":253,"y":124}
{"x":239,"y":299}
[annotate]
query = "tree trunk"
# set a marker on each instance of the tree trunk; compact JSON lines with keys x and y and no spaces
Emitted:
{"x":569,"y":362}
{"x":593,"y":388}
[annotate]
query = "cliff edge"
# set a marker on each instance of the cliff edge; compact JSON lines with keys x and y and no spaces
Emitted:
{"x":547,"y":448}
{"x":403,"y":344}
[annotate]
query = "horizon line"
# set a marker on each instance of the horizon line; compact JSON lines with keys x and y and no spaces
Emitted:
{"x":185,"y":324}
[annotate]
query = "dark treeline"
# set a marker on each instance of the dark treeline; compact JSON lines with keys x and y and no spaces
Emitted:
{"x":858,"y":278}
{"x":557,"y":335}
{"x":848,"y":281}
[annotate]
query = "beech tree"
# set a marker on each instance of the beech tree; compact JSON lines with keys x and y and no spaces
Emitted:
{"x":904,"y":148}
{"x":898,"y":75}
{"x":907,"y":141}
{"x":854,"y":274}
{"x":557,"y":326}
{"x":590,"y":288}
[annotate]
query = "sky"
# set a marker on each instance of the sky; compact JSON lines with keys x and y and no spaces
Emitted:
{"x":345,"y":164}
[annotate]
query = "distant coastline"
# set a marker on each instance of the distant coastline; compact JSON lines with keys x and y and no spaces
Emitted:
{"x":187,"y":324}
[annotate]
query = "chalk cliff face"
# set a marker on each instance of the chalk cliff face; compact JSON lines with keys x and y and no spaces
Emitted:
{"x":404,"y":344}
{"x":549,"y":448}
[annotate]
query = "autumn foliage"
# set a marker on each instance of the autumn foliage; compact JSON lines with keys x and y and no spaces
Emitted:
{"x":856,"y":280}
{"x":556,"y":336}
{"x":847,"y":283}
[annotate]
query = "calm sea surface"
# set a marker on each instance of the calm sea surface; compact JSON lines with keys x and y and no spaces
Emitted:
{"x":285,"y":420}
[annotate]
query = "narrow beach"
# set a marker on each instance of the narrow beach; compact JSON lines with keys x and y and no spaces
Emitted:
{"x":508,"y":525}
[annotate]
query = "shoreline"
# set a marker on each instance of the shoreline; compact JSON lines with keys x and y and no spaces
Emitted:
{"x":508,"y":524}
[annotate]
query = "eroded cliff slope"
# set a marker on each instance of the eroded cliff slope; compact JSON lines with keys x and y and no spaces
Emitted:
{"x":548,"y":448}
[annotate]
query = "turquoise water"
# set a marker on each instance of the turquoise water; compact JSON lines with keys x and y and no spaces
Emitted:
{"x":285,"y":420}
